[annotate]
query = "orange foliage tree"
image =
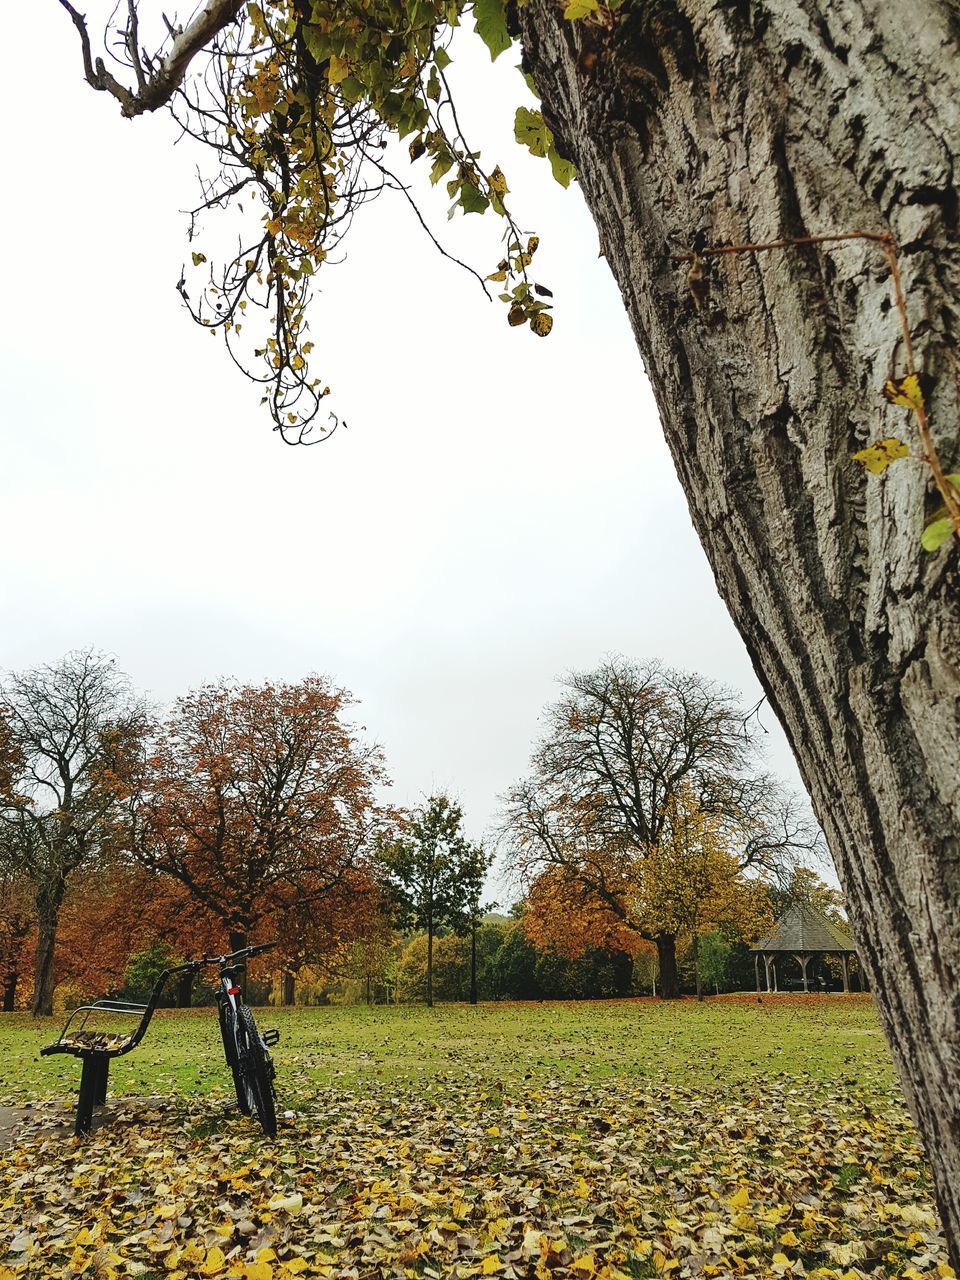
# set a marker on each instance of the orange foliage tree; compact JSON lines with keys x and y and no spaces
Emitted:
{"x":17,"y":937}
{"x":121,"y":909}
{"x":260,"y":801}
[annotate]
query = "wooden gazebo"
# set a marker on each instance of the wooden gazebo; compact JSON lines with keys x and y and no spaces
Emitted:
{"x":804,"y":933}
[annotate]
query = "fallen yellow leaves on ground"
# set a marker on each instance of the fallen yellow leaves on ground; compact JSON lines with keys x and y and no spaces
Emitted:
{"x":555,"y":1181}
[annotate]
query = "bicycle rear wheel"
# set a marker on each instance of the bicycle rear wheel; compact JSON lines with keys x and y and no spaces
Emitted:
{"x":256,"y":1070}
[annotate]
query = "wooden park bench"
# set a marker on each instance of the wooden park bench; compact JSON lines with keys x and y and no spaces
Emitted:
{"x":95,"y":1048}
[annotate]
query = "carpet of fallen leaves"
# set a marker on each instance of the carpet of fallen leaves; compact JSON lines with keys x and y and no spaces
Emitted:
{"x":549,"y":1180}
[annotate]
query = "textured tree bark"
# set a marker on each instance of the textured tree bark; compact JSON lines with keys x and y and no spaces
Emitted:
{"x":288,"y":988}
{"x":744,"y":121}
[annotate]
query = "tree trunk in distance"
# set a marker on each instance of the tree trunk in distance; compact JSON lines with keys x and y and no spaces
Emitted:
{"x":696,"y":967}
{"x":48,"y":901}
{"x":473,"y":960}
{"x":237,"y":940}
{"x":667,"y":957}
{"x":287,"y":988}
{"x":185,"y":990}
{"x":10,"y":991}
{"x":694,"y":122}
{"x":430,"y":964}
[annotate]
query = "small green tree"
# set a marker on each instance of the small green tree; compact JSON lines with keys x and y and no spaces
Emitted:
{"x":714,"y":953}
{"x":422,"y":871}
{"x":145,"y":967}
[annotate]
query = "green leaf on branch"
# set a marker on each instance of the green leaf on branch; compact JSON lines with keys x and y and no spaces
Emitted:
{"x":531,"y":131}
{"x":563,"y":170}
{"x":472,"y":199}
{"x":490,"y":23}
{"x":936,"y":533}
{"x":580,"y":9}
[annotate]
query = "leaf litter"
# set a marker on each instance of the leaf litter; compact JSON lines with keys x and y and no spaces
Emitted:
{"x":547,"y":1179}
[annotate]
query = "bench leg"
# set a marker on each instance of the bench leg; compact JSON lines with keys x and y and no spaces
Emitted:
{"x":101,"y":1094}
{"x":88,"y":1090}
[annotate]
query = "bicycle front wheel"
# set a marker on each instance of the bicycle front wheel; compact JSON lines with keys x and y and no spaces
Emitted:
{"x":256,"y":1070}
{"x":233,"y":1062}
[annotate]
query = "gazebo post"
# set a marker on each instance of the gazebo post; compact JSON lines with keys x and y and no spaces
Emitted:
{"x":846,"y":976}
{"x":756,"y":970}
{"x":773,"y":966}
{"x":804,"y":961}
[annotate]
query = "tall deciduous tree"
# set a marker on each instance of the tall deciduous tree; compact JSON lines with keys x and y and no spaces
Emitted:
{"x":619,"y":748}
{"x":260,"y":800}
{"x":697,"y":128}
{"x":72,"y":733}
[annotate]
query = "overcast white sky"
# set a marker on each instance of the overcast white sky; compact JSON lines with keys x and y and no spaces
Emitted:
{"x":501,"y":509}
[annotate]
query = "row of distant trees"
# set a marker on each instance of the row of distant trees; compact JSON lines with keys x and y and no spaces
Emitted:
{"x":253,"y":811}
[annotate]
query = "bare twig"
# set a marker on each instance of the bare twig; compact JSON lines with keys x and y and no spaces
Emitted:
{"x":166,"y":75}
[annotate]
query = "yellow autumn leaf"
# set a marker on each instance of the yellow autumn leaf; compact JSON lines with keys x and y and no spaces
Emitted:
{"x":257,"y":1271}
{"x":740,"y":1199}
{"x":338,"y":69}
{"x":493,"y":1131}
{"x":491,"y":1265}
{"x":906,"y":392}
{"x":498,"y":182}
{"x":877,"y":457}
{"x":541,"y":323}
{"x":790,"y":1239}
{"x":214,"y":1262}
{"x":585,"y":1265}
{"x":292,"y":1204}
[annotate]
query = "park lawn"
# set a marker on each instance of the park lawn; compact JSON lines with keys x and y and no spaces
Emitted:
{"x":826,"y":1038}
{"x":587,"y":1141}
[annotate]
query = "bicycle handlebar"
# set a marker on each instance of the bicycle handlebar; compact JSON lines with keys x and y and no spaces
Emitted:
{"x":223,"y":960}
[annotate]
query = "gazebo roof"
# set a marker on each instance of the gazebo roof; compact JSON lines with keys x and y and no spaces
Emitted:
{"x":803,"y":928}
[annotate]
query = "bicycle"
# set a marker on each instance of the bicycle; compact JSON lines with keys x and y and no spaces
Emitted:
{"x":246,"y":1049}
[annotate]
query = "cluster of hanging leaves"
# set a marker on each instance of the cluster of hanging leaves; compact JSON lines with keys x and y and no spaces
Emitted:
{"x":465,"y":1177}
{"x":907,"y":392}
{"x":298,"y":100}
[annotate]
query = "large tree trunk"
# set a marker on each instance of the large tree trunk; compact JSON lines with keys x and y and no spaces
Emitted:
{"x":48,"y":902}
{"x":667,"y":958}
{"x":697,"y":122}
{"x":287,"y":988}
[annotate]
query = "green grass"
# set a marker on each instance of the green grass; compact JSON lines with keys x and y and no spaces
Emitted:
{"x":827,"y":1040}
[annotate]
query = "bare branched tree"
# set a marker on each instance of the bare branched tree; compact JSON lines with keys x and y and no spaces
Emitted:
{"x":71,"y":732}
